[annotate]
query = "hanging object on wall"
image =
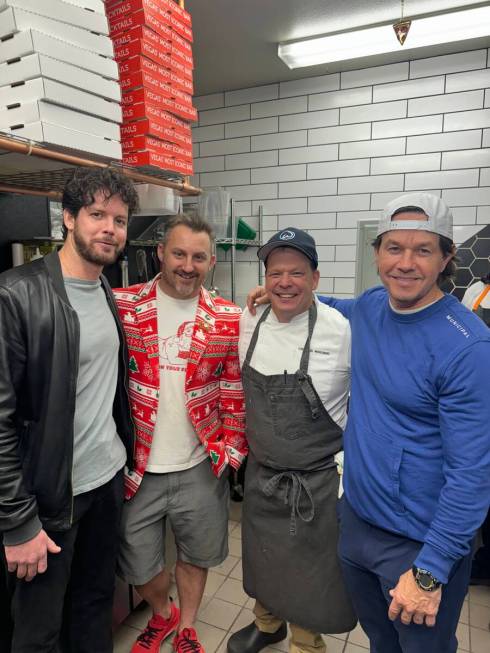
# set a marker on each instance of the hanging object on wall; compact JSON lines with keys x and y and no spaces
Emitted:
{"x":402,"y":26}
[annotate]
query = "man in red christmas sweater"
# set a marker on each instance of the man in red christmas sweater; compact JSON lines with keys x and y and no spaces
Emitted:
{"x":188,"y":408}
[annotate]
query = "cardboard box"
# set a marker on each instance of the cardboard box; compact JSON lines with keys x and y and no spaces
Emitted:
{"x":168,"y":5}
{"x":166,"y":131}
{"x":157,"y":160}
{"x":139,"y":78}
{"x":142,"y":143}
{"x":157,"y":49}
{"x":40,"y":111}
{"x":16,"y":20}
{"x":95,"y":5}
{"x":38,"y":65}
{"x":140,"y":19}
{"x":143,"y":108}
{"x":70,"y":139}
{"x":165,"y":39}
{"x":157,"y":129}
{"x":41,"y":88}
{"x":143,"y":11}
{"x":31,"y":41}
{"x":139,"y":63}
{"x":183,"y":112}
{"x":63,"y":12}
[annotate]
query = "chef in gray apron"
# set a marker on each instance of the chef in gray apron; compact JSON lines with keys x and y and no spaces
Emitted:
{"x":289,"y":524}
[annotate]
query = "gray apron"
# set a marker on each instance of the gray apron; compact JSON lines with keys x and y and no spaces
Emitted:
{"x":289,"y":521}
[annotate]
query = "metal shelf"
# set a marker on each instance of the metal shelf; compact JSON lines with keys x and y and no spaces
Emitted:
{"x":29,"y":168}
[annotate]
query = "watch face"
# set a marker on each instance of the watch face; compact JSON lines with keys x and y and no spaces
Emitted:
{"x":426,"y":581}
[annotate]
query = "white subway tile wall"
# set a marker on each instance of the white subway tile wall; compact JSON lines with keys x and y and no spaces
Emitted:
{"x":325,"y":152}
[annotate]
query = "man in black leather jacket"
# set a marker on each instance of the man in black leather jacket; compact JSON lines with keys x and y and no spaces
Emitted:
{"x":65,"y":428}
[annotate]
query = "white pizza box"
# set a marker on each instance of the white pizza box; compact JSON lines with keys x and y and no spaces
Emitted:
{"x":63,"y":12}
{"x":48,"y":90}
{"x":31,"y":41}
{"x":95,"y":5}
{"x":46,"y":133}
{"x":14,"y":20}
{"x":27,"y":112}
{"x":39,"y":65}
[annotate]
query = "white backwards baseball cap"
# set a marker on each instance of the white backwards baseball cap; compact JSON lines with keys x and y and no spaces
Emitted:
{"x":440,"y":218}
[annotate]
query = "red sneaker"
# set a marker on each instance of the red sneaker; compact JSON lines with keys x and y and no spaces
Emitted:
{"x":186,"y":642}
{"x":156,"y":631}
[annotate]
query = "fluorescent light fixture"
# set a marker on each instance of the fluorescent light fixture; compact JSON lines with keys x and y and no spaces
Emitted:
{"x":432,"y":30}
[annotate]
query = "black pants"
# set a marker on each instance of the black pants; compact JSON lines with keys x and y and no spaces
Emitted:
{"x":69,"y":607}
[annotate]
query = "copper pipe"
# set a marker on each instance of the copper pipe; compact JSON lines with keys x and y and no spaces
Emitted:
{"x":34,"y":150}
{"x":52,"y":194}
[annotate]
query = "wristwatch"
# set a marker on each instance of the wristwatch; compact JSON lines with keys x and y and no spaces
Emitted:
{"x":425,"y":580}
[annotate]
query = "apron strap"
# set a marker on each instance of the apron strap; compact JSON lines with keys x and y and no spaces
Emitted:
{"x":295,"y":485}
{"x":305,"y":358}
{"x":255,"y":336}
{"x":304,"y":379}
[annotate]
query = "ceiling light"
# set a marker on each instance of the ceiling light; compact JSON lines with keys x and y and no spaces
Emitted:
{"x":432,"y":30}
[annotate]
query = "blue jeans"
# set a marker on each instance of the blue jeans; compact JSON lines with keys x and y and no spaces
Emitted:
{"x":372,"y":561}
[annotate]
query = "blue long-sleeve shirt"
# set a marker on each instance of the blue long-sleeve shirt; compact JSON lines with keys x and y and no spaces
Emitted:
{"x":417,"y":441}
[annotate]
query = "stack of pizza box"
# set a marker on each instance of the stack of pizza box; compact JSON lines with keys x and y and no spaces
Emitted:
{"x":58,"y":77}
{"x":152,"y":46}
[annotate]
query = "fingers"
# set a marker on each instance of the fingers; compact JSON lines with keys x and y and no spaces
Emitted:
{"x":52,"y":546}
{"x":31,"y":571}
{"x":406,"y":617}
{"x":21,"y":570}
{"x":394,"y":609}
{"x":418,"y":618}
{"x":430,"y":620}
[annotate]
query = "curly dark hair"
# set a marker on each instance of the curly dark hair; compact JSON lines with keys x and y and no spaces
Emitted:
{"x":446,"y":245}
{"x":81,"y":187}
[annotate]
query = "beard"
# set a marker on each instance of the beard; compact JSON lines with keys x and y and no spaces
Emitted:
{"x":89,"y":253}
{"x":184,"y":290}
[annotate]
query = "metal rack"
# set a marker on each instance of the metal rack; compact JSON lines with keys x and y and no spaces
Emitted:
{"x":31,"y":169}
{"x":233,"y":241}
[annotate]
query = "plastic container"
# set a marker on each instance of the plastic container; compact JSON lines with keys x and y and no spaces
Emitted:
{"x":158,"y":200}
{"x":243,"y":231}
{"x":213,"y":205}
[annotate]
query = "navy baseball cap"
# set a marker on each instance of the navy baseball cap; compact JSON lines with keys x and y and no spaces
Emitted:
{"x":291,"y":237}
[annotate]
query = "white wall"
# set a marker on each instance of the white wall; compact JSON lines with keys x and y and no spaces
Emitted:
{"x":324,"y":152}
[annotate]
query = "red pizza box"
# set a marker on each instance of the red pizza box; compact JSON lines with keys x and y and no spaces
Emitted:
{"x":163,"y":56}
{"x":165,"y":40}
{"x":139,"y":63}
{"x":156,"y":128}
{"x":165,"y":104}
{"x":150,"y":158}
{"x":122,"y":15}
{"x":139,"y":78}
{"x":169,"y":134}
{"x":144,"y":109}
{"x":169,"y":5}
{"x":145,"y":142}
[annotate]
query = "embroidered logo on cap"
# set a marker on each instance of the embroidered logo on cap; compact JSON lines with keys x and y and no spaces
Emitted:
{"x":287,"y":235}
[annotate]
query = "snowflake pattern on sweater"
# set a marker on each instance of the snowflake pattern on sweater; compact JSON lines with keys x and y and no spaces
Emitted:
{"x":214,"y":394}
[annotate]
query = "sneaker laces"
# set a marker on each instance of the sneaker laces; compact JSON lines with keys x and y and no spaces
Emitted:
{"x":148,"y":635}
{"x":188,"y":642}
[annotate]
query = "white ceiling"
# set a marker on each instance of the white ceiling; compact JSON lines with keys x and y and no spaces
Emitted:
{"x":235,"y":41}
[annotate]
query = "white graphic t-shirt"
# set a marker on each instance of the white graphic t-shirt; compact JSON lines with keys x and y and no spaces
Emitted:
{"x":175,"y":444}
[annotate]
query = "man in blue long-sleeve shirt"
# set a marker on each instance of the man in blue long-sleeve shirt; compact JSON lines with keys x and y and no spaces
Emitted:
{"x":417,"y":441}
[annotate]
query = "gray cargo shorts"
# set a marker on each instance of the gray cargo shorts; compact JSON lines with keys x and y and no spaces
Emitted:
{"x":195,"y":502}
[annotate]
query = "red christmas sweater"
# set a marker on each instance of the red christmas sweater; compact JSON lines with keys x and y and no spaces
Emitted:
{"x":213,"y":387}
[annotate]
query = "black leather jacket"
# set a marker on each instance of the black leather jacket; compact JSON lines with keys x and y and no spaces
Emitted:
{"x":39,"y":350}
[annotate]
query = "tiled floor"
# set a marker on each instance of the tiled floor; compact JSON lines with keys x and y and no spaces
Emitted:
{"x":226,"y":608}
